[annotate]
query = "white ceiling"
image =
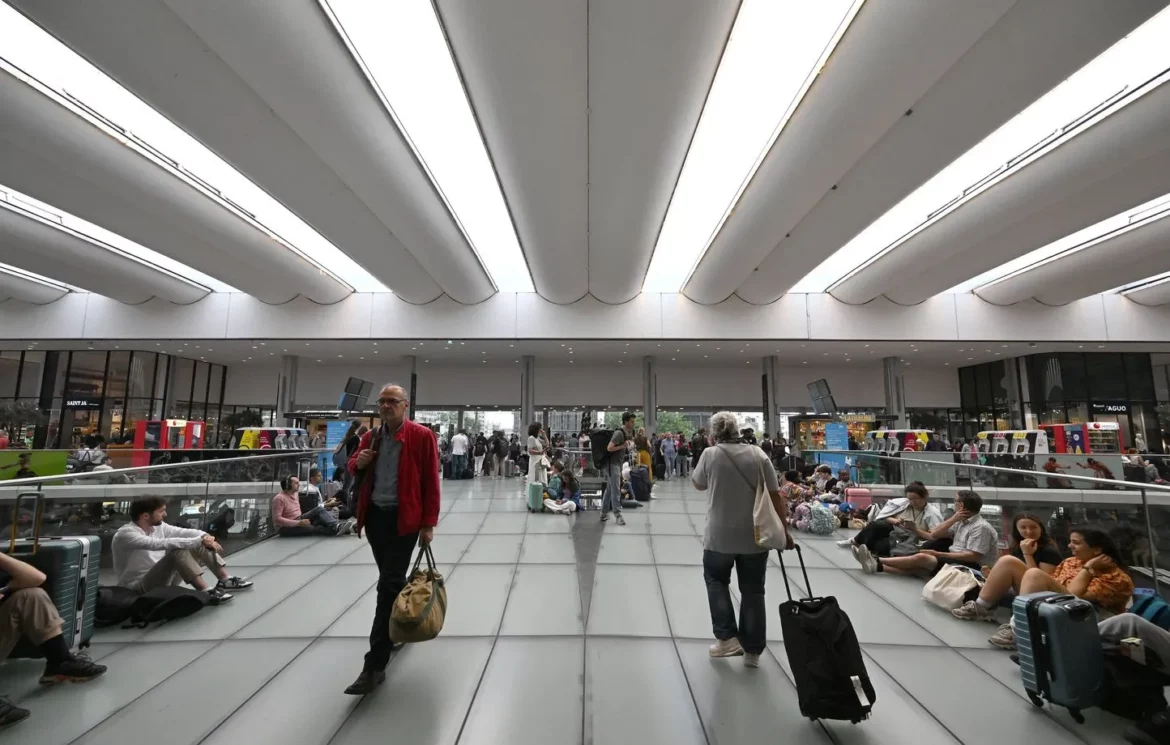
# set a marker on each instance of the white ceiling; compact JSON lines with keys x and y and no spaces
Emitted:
{"x":714,"y":353}
{"x":587,"y":112}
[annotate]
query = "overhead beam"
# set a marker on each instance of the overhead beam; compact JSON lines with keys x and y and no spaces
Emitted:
{"x":27,"y":290}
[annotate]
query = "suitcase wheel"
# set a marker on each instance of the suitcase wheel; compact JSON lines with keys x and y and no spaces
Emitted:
{"x":1035,"y":699}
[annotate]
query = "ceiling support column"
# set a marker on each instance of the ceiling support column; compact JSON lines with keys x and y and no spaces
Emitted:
{"x":286,"y":387}
{"x":895,"y":391}
{"x":527,"y":396}
{"x":650,"y":394}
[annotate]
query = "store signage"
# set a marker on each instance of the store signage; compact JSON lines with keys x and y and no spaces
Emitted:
{"x":858,"y":418}
{"x":82,"y":403}
{"x":1111,"y":408}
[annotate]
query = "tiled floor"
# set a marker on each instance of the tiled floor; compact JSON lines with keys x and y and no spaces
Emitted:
{"x":559,"y":631}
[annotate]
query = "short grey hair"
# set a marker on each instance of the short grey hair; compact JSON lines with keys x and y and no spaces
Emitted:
{"x":724,"y":426}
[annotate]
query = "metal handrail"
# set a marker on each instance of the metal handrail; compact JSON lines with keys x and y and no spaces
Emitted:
{"x":54,"y":480}
{"x":1000,"y":469}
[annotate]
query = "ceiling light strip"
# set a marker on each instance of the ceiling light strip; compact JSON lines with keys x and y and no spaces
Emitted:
{"x":421,"y":90}
{"x":1116,"y":77}
{"x":691,"y":222}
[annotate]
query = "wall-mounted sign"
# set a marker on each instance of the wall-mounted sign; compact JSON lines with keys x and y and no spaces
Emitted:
{"x":1111,"y":408}
{"x":83,"y":403}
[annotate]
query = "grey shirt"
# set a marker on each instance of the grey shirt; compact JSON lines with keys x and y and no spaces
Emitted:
{"x":730,"y":473}
{"x":618,"y":457}
{"x":385,"y":492}
{"x":975,"y":534}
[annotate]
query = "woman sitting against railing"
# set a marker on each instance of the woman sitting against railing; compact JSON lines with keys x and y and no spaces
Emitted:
{"x":900,"y":526}
{"x":1032,"y":548}
{"x":1094,"y":572}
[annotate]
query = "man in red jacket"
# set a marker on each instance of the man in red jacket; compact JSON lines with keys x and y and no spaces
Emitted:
{"x":397,"y":469}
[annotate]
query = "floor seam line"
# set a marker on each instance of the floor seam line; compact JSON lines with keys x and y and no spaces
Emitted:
{"x":495,"y":639}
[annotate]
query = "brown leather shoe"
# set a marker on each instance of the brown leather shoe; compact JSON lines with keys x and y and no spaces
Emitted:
{"x":366,"y":682}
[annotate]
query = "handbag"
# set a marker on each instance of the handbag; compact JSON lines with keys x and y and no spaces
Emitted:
{"x":948,"y":589}
{"x":768,"y":527}
{"x":421,"y":608}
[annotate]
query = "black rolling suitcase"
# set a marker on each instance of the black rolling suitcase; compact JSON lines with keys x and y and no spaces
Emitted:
{"x":831,"y":680}
{"x":71,"y":565}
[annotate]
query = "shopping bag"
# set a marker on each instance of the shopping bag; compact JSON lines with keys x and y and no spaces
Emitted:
{"x":948,"y":589}
{"x":769,"y":528}
{"x":421,"y":607}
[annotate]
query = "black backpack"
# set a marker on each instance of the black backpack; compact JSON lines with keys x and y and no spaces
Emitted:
{"x":1132,"y":690}
{"x":599,"y":440}
{"x":138,"y":610}
{"x":480,"y":449}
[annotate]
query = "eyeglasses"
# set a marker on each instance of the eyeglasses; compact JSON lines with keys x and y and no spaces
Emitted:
{"x":390,"y":401}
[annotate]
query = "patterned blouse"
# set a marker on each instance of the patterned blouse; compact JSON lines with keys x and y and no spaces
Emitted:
{"x":1111,"y":590}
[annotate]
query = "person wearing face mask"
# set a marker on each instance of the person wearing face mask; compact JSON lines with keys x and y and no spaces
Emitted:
{"x":1032,"y":548}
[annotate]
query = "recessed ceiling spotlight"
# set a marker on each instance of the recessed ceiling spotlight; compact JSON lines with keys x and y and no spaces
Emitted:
{"x":1100,"y":346}
{"x":947,"y":364}
{"x":263,"y":344}
{"x":1003,"y":346}
{"x":804,"y":363}
{"x":511,"y":345}
{"x":318,"y":360}
{"x":462,"y":343}
{"x":673,"y":359}
{"x":865,"y":345}
{"x":704,"y":356}
{"x":361,"y":358}
{"x":255,"y":347}
{"x":825,"y":354}
{"x":970,"y":358}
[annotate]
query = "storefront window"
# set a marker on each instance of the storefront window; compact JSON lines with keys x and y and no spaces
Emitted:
{"x":199,"y":390}
{"x":215,"y":389}
{"x":119,"y":374}
{"x":30,"y":376}
{"x":1072,"y":377}
{"x":87,"y":372}
{"x":141,"y":378}
{"x":136,"y":410}
{"x":9,"y":372}
{"x":1106,"y":377}
{"x":1139,"y":379}
{"x":184,"y":376}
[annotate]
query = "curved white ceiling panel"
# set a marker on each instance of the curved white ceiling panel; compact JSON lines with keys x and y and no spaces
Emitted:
{"x":1011,"y":66}
{"x":1124,"y":257}
{"x":1119,"y":159}
{"x":1154,"y":293}
{"x":16,"y":285}
{"x":55,"y":155}
{"x":150,"y":51}
{"x":37,"y":245}
{"x":289,"y":54}
{"x":526,"y":69}
{"x":889,"y":57}
{"x":651,"y":64}
{"x":588,"y":110}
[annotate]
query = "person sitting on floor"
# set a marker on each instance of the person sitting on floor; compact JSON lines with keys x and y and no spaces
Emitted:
{"x":1093,"y":572}
{"x":1153,"y":652}
{"x":901,"y":525}
{"x":291,"y":522}
{"x":563,"y":492}
{"x":149,"y":554}
{"x":325,"y":501}
{"x":27,"y":612}
{"x":1032,"y":548}
{"x":973,"y":544}
{"x":844,"y":481}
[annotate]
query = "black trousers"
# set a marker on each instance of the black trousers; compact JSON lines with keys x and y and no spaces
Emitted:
{"x":876,"y":537}
{"x":393,"y":554}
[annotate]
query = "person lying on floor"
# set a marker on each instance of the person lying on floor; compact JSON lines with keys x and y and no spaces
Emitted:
{"x":290,"y":521}
{"x":149,"y":554}
{"x":27,"y":612}
{"x":1032,"y":548}
{"x":1093,"y":572}
{"x":563,"y":493}
{"x":973,"y":544}
{"x":901,"y":525}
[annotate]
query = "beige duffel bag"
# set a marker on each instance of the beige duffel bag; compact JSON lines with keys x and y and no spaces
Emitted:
{"x":421,"y":607}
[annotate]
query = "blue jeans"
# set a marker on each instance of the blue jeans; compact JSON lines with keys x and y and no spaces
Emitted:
{"x":683,"y":462}
{"x":752,"y":630}
{"x":458,"y":466}
{"x":612,"y":501}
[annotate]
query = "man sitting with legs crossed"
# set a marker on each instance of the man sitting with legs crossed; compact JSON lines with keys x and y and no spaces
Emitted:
{"x":149,"y":554}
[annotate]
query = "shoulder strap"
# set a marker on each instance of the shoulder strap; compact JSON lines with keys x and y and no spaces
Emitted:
{"x":746,"y":480}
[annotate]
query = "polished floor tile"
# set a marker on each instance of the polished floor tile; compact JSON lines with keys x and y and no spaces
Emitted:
{"x":476,"y":596}
{"x":667,"y":524}
{"x":203,"y":687}
{"x":313,"y":608}
{"x":905,"y":593}
{"x":503,"y":714}
{"x":272,"y":552}
{"x":545,"y":523}
{"x":327,"y":551}
{"x":493,"y":549}
{"x":638,"y":693}
{"x":625,"y":549}
{"x":509,"y":523}
{"x":547,"y":548}
{"x":627,"y":601}
{"x":461,"y":522}
{"x":874,"y":619}
{"x":677,"y":549}
{"x":545,"y":601}
{"x":685,"y":595}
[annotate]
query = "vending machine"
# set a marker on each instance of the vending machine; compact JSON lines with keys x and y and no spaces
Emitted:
{"x":167,"y":434}
{"x":1092,"y":437}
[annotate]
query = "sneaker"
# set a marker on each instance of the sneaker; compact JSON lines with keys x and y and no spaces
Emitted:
{"x":973,"y":611}
{"x":234,"y":583}
{"x":621,"y":520}
{"x":867,"y":561}
{"x":73,"y":669}
{"x":1005,"y":638}
{"x":751,"y":660}
{"x":845,"y":543}
{"x":853,"y":549}
{"x":726,"y":648}
{"x":366,"y":682}
{"x":604,"y":517}
{"x":1153,"y":730}
{"x":10,"y":714}
{"x":217,"y":596}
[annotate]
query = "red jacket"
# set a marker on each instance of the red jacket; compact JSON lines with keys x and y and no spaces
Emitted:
{"x":418,"y":478}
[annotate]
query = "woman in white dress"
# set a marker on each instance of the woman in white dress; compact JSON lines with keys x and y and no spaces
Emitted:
{"x":537,"y":464}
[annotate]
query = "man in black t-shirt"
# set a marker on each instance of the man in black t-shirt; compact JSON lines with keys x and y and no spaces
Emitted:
{"x":29,"y":613}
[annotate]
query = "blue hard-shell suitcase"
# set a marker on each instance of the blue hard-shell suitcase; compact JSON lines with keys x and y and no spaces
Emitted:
{"x":1060,"y":651}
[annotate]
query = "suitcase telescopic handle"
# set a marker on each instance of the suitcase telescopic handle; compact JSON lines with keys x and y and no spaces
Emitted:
{"x":38,"y":515}
{"x":803,"y":570}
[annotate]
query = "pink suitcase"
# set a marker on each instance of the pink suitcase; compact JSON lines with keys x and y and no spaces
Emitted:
{"x":859,"y":497}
